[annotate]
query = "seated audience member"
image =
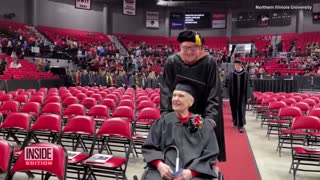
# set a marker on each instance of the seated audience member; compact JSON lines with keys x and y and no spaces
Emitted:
{"x":183,"y":132}
{"x":15,"y":64}
{"x":41,"y":65}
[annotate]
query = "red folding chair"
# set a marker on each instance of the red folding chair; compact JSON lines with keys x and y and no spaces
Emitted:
{"x":15,"y":126}
{"x":99,"y":112}
{"x":79,"y":132}
{"x":304,"y":156}
{"x":110,"y":103}
{"x":51,"y":99}
{"x":97,"y":97}
{"x":32,"y":108}
{"x":21,"y":99}
{"x":38,"y":99}
{"x":114,"y":134}
{"x":89,"y":102}
{"x":286,"y":116}
{"x":6,"y":152}
{"x":52,"y":108}
{"x":47,"y":128}
{"x":81,"y":96}
{"x":8,"y":107}
{"x":126,"y":102}
{"x":57,"y":166}
{"x":314,"y":112}
{"x":74,"y":110}
{"x":69,"y":100}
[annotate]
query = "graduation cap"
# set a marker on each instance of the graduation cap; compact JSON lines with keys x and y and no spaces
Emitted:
{"x":237,"y":62}
{"x":188,"y":85}
{"x":190,"y":36}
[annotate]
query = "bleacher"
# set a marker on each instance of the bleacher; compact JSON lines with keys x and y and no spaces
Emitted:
{"x":86,"y":38}
{"x":27,"y":71}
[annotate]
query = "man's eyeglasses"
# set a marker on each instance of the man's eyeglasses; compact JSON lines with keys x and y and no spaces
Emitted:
{"x":192,"y":48}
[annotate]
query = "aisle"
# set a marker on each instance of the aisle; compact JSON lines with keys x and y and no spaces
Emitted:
{"x":240,"y":160}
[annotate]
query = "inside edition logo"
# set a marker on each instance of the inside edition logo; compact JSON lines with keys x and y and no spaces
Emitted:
{"x":38,"y":156}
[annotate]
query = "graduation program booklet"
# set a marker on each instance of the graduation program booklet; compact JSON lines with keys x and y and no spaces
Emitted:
{"x":311,"y":148}
{"x":72,"y":154}
{"x":99,"y":158}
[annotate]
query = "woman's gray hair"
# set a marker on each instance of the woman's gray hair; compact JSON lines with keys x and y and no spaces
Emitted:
{"x":190,"y":98}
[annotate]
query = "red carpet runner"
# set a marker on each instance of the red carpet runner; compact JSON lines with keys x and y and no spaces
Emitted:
{"x":240,"y":160}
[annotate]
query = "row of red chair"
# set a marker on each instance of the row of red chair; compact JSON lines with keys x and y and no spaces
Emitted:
{"x":295,"y":119}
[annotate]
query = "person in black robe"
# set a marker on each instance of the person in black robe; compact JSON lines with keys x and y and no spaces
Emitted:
{"x":237,"y":83}
{"x":193,"y":62}
{"x":183,"y":134}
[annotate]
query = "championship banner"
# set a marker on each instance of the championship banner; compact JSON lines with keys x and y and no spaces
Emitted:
{"x":83,"y":4}
{"x":218,"y":20}
{"x":152,"y":19}
{"x":129,"y":7}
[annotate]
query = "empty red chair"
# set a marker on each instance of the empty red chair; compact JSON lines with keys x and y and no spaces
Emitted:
{"x":21,"y":98}
{"x":48,"y":126}
{"x":144,"y":104}
{"x":51,"y":99}
{"x":301,"y":105}
{"x":126,"y":102}
{"x":6,"y":152}
{"x":9,"y":106}
{"x":89,"y":102}
{"x":70,"y":100}
{"x":110,"y":103}
{"x":99,"y":112}
{"x":16,"y":123}
{"x":98,"y":97}
{"x":66,"y":95}
{"x":81,"y":96}
{"x":58,"y":167}
{"x":38,"y":99}
{"x":124,"y":112}
{"x":52,"y":108}
{"x":32,"y":108}
{"x":32,"y":91}
{"x":314,"y":112}
{"x":74,"y":110}
{"x":113,"y":97}
{"x":310,"y":102}
{"x":6,"y":97}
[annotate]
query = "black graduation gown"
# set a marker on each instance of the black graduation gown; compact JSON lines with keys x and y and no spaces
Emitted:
{"x":238,"y":95}
{"x":198,"y":149}
{"x":208,"y":103}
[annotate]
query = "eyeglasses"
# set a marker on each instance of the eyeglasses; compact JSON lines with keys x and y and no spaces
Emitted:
{"x":192,"y":48}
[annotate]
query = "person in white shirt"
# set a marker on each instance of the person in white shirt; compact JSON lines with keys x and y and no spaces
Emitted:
{"x":15,"y":64}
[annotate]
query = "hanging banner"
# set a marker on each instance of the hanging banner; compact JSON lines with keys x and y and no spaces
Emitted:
{"x":152,"y":19}
{"x":129,"y":7}
{"x":218,"y":20}
{"x":83,"y":4}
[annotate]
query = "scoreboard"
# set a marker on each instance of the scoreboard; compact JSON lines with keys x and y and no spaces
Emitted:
{"x":197,"y":20}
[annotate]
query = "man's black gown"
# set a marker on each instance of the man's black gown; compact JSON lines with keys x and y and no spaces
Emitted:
{"x":198,"y":149}
{"x":208,"y":103}
{"x":238,"y":86}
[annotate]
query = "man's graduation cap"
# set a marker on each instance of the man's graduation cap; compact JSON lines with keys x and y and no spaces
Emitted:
{"x":190,"y":36}
{"x":237,"y":62}
{"x":188,"y":85}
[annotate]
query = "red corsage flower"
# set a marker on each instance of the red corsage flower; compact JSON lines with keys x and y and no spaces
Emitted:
{"x":197,"y":122}
{"x":194,"y":123}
